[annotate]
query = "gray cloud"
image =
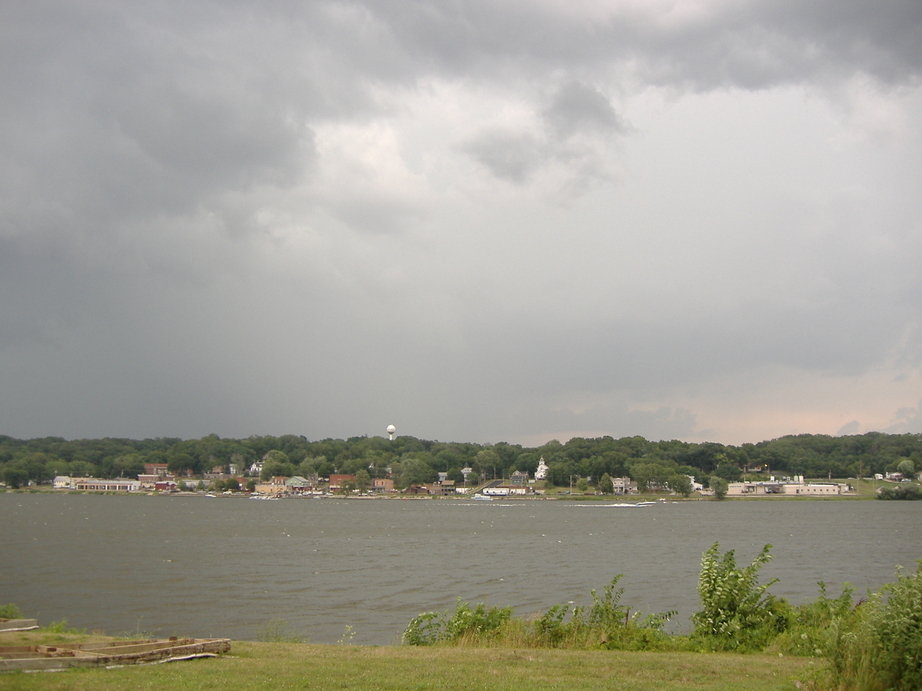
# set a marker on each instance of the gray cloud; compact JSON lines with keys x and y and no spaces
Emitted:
{"x":509,"y":156}
{"x":577,"y":108}
{"x":479,"y":220}
{"x":755,"y":45}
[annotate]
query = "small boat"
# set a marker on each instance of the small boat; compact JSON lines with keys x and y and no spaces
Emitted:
{"x":482,"y":497}
{"x":622,"y":505}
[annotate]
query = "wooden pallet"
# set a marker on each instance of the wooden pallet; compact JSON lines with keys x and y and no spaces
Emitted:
{"x":44,"y":657}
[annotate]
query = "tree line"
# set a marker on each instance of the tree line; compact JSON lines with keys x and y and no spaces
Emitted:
{"x":412,"y":460}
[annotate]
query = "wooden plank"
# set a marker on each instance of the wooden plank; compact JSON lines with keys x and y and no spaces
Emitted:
{"x":18,"y":624}
{"x":43,"y":657}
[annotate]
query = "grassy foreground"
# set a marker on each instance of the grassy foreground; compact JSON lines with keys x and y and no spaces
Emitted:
{"x":304,"y":666}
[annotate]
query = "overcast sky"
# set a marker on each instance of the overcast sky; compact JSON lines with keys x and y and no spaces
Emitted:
{"x":477,"y":220}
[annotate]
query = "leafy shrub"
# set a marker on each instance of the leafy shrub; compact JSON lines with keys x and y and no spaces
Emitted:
{"x":607,"y":610}
{"x":551,"y":629}
{"x":617,"y":627}
{"x":606,"y":624}
{"x":907,"y":492}
{"x":466,"y":623}
{"x":424,"y":629}
{"x":881,"y":646}
{"x":736,"y":613}
{"x":811,"y":626}
{"x":10,"y":611}
{"x":477,"y":621}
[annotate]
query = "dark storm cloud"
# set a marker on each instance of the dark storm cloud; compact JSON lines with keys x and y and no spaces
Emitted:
{"x":509,"y":156}
{"x":122,"y":125}
{"x":575,"y":111}
{"x":577,"y":108}
{"x":223,"y":216}
{"x":750,"y":45}
{"x":173,"y":105}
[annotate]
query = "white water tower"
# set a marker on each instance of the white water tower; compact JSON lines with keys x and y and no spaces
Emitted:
{"x":391,"y":431}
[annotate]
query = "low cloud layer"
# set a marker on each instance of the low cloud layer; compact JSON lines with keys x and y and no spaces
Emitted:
{"x":475,"y":221}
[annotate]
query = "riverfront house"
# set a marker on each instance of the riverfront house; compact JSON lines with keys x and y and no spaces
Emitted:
{"x":382,"y":484}
{"x":337,"y":481}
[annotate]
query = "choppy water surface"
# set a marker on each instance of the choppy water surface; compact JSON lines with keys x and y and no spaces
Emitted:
{"x":232,"y":567}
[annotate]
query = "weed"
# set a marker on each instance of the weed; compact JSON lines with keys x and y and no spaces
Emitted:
{"x":605,"y":624}
{"x":60,"y":626}
{"x":348,"y":636}
{"x":278,"y":631}
{"x":880,"y":647}
{"x":811,"y":626}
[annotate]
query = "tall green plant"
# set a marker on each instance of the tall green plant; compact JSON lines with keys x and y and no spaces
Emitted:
{"x":736,"y":613}
{"x":605,"y":624}
{"x":475,"y":622}
{"x":812,"y":625}
{"x":881,"y":647}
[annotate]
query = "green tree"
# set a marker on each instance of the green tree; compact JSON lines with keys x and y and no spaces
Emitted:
{"x":38,"y":466}
{"x":276,"y":463}
{"x":681,"y":484}
{"x":651,"y":475}
{"x":719,"y":485}
{"x":362,"y":480}
{"x":14,"y":476}
{"x":487,"y":462}
{"x":81,"y":469}
{"x":180,"y":462}
{"x":907,"y":468}
{"x":128,"y":465}
{"x":606,"y":486}
{"x":456,"y":476}
{"x":276,"y":456}
{"x":414,"y":471}
{"x":727,"y":469}
{"x":447,"y":458}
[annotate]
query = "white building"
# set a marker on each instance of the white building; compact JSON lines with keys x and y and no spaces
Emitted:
{"x":813,"y":489}
{"x":541,"y":472}
{"x":92,"y":484}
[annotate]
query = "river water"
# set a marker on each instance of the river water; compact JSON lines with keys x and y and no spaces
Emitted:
{"x":333,"y":569}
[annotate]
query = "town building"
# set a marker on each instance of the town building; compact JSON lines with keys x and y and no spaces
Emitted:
{"x":92,"y":484}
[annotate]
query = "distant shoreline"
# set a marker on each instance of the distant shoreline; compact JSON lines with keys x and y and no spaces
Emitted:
{"x":587,"y":498}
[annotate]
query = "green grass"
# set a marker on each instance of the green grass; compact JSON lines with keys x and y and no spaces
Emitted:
{"x":304,"y":666}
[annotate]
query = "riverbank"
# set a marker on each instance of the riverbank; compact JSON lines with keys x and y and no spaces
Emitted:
{"x":865,"y":490}
{"x":251,"y":665}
